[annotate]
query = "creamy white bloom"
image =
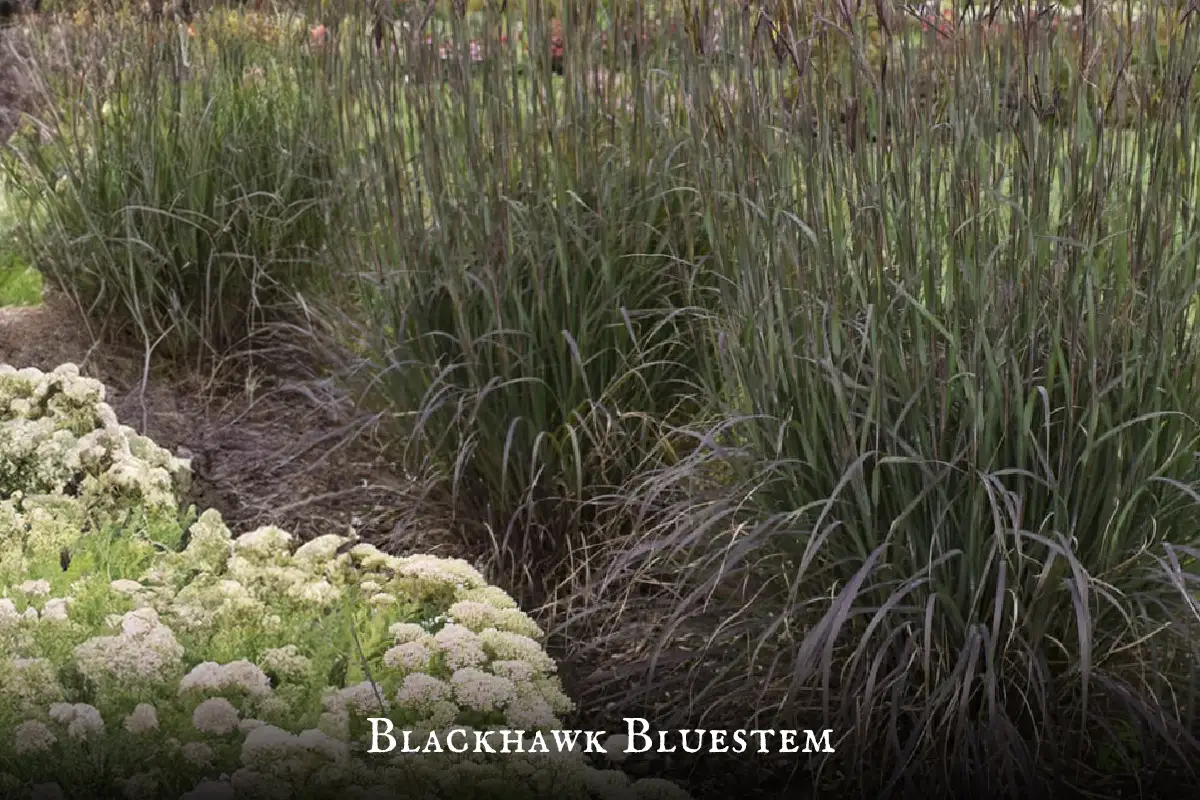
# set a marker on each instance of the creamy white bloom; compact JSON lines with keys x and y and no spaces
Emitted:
{"x":266,"y":745}
{"x":208,"y":600}
{"x":440,"y":715}
{"x":515,"y":671}
{"x":363,"y":698}
{"x":320,"y":550}
{"x":87,"y":724}
{"x":460,"y":647}
{"x":421,"y":691}
{"x":408,"y":656}
{"x":81,"y":720}
{"x":216,"y":716}
{"x":493,"y":596}
{"x":29,"y":684}
{"x":287,"y":663}
{"x":444,"y":571}
{"x":198,"y":754}
{"x":139,"y":622}
{"x":550,"y":690}
{"x":55,"y":610}
{"x":506,"y":646}
{"x":530,"y":711}
{"x":209,"y":543}
{"x":8,"y":611}
{"x":335,"y":723}
{"x":273,"y":708}
{"x":403,"y":632}
{"x":36,"y":588}
{"x":321,"y":593}
{"x":473,"y":614}
{"x":481,"y":691}
{"x":143,"y":719}
{"x":33,"y":736}
{"x":145,"y":653}
{"x":317,"y":741}
{"x":241,"y":675}
{"x":264,"y":543}
{"x":369,"y":557}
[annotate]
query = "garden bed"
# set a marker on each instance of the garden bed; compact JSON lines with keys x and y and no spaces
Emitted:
{"x":149,"y":652}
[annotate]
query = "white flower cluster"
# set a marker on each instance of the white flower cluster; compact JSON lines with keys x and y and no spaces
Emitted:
{"x":238,"y":667}
{"x":66,"y":463}
{"x":56,"y":431}
{"x":145,"y":653}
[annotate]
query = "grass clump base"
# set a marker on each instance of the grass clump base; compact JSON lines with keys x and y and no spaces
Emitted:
{"x":149,"y":653}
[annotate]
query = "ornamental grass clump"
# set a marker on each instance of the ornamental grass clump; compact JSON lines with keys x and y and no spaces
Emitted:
{"x":179,"y":189}
{"x":950,"y":508}
{"x":532,"y":283}
{"x":152,"y":665}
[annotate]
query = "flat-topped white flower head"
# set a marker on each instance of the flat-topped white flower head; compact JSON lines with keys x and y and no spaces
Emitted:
{"x":32,"y":737}
{"x":263,"y":544}
{"x":81,"y":720}
{"x":216,"y":716}
{"x":145,"y":653}
{"x":240,"y":675}
{"x":143,"y":719}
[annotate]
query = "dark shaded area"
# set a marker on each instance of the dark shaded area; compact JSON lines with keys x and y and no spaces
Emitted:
{"x":10,"y":9}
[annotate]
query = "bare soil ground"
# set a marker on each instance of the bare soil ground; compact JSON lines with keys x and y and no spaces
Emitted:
{"x":272,"y":456}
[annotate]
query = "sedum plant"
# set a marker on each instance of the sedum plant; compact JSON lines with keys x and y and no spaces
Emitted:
{"x":166,"y":659}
